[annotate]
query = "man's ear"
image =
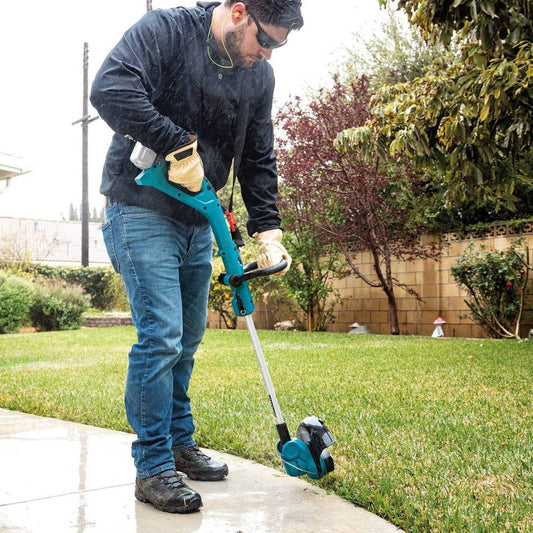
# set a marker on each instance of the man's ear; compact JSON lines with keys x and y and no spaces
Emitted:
{"x":238,"y":10}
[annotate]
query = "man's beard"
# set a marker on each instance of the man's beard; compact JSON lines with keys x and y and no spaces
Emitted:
{"x":233,"y":40}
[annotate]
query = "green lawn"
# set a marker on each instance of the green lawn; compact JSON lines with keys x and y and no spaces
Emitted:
{"x":432,"y":434}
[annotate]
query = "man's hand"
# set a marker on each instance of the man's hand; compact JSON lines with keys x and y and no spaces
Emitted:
{"x":271,"y":251}
{"x":186,"y":168}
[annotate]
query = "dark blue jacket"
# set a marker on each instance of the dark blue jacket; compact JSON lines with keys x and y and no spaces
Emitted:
{"x":158,"y":85}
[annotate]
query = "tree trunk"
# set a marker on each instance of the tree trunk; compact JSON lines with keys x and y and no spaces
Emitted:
{"x":393,"y":315}
{"x":311,"y":318}
{"x":388,"y":288}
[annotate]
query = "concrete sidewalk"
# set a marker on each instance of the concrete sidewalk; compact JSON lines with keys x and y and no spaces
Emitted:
{"x":59,"y":477}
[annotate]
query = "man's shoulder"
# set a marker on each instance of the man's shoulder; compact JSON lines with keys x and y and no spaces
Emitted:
{"x":207,"y":5}
{"x":181,"y":14}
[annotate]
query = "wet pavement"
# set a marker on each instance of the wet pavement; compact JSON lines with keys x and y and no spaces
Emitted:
{"x":62,"y":477}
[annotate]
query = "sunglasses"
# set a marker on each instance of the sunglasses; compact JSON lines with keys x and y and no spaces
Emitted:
{"x":264,"y":40}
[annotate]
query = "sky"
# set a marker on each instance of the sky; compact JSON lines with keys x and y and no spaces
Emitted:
{"x":41,"y":85}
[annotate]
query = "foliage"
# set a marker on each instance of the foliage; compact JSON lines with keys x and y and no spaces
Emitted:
{"x":495,"y":24}
{"x":94,"y":216}
{"x":482,"y":229}
{"x":462,"y":216}
{"x":15,"y":300}
{"x":353,"y":205}
{"x":397,"y":54}
{"x":309,"y":281}
{"x":496,"y":282}
{"x":102,"y":284}
{"x":466,"y":115}
{"x":432,"y":435}
{"x":58,"y":306}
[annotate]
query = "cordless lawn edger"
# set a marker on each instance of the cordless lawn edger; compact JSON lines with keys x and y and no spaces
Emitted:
{"x":306,"y":454}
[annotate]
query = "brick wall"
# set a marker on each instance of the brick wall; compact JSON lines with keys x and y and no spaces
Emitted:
{"x":106,"y":321}
{"x":433,"y":281}
{"x":435,"y":284}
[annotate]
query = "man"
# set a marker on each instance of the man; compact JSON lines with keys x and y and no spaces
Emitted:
{"x":185,"y":83}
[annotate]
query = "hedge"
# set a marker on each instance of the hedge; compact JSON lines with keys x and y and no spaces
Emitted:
{"x":101,"y":284}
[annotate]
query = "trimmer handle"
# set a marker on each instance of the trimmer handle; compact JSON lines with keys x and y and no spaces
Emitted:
{"x":251,"y":272}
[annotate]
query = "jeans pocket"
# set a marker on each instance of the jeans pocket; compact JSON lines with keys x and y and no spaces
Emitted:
{"x":107,"y":230}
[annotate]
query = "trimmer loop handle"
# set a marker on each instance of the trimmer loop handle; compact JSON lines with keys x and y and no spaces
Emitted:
{"x":251,"y":272}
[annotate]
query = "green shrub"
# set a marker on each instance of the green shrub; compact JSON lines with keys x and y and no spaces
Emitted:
{"x":15,"y":300}
{"x":102,"y":284}
{"x":495,"y":281}
{"x":58,"y":306}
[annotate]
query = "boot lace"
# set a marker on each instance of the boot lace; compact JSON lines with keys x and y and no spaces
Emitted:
{"x":171,"y":479}
{"x":197,"y":453}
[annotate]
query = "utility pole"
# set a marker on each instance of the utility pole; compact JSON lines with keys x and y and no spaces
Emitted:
{"x":148,"y":5}
{"x":85,"y":120}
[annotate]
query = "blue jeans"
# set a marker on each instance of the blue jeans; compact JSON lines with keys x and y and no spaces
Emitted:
{"x":166,"y":268}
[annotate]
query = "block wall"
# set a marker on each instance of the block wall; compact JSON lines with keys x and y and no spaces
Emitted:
{"x":432,"y":280}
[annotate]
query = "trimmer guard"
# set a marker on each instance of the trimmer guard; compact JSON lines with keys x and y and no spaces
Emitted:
{"x":298,"y":461}
{"x":307,"y":454}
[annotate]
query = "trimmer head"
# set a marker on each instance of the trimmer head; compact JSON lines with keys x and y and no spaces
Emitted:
{"x":307,"y":454}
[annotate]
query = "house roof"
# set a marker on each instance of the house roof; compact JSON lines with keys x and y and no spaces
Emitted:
{"x":50,"y":242}
{"x":11,"y":166}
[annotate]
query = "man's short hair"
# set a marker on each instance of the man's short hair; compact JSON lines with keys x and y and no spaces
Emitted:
{"x":282,"y":13}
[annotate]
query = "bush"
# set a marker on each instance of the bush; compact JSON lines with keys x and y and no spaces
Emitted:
{"x":58,"y":306}
{"x":496,"y":281}
{"x":102,"y":284}
{"x":15,"y":300}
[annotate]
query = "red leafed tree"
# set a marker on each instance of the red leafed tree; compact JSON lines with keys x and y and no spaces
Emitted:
{"x":357,"y":207}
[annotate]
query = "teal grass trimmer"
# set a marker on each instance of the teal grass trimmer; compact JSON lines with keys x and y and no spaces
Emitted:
{"x":306,"y":454}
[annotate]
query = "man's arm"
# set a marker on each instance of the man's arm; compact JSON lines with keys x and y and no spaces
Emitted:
{"x":258,"y":172}
{"x":259,"y":181}
{"x":131,"y":76}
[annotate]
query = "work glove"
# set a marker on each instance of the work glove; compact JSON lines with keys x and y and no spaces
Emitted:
{"x":186,"y":168}
{"x":271,"y":251}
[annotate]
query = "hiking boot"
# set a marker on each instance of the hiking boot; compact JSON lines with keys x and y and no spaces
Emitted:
{"x":167,"y":492}
{"x":197,"y":465}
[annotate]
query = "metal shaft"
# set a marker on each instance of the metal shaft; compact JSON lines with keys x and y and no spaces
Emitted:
{"x":264,"y":370}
